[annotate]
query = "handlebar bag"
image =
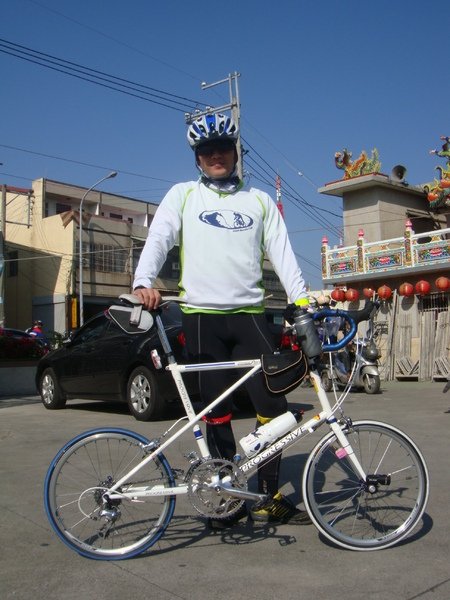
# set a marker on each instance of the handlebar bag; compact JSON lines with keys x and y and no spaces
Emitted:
{"x":284,"y":371}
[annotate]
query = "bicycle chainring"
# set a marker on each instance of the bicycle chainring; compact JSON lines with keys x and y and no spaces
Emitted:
{"x":204,"y":488}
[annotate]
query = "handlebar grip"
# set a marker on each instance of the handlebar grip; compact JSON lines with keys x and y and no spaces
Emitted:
{"x":327,"y":312}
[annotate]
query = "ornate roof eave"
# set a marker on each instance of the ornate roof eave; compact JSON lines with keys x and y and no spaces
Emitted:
{"x":387,"y":274}
{"x":353,"y":184}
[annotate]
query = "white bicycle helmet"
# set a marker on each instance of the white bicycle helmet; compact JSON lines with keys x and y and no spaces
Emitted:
{"x":211,"y":127}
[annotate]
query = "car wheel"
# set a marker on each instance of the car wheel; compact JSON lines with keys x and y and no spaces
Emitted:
{"x":144,"y":402}
{"x":51,"y":395}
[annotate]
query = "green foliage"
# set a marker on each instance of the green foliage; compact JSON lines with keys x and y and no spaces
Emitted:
{"x":55,"y":339}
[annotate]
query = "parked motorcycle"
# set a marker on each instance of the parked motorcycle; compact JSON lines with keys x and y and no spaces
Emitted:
{"x":356,"y":366}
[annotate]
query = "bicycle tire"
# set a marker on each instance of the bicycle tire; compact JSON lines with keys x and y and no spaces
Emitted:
{"x":75,"y":483}
{"x":345,"y":509}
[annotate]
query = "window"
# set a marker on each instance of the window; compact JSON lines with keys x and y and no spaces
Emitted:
{"x":105,"y":258}
{"x":137,"y":249}
{"x":12,"y":266}
{"x":91,"y":331}
{"x":61,"y":208}
{"x":434,"y":303}
{"x":171,"y":268}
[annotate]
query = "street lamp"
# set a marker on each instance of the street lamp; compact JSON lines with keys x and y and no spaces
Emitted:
{"x":109,"y":176}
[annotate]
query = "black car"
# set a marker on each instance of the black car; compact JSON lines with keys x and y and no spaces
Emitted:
{"x":102,"y":362}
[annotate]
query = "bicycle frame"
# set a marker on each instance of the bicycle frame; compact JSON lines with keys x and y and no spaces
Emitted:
{"x":354,"y":509}
{"x":252,"y":366}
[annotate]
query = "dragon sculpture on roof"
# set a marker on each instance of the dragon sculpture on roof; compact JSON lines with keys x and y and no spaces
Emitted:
{"x":438,"y":191}
{"x":363,"y":165}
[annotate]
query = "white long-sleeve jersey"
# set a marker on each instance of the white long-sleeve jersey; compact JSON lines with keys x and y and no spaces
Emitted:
{"x":222,"y":239}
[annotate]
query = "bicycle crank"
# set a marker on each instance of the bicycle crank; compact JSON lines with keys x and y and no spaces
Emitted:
{"x":216,"y":487}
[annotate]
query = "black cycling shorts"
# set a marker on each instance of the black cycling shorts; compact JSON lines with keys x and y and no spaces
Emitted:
{"x":224,"y":337}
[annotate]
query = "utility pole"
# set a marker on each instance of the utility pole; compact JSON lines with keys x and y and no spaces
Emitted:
{"x":279,"y":200}
{"x":2,"y":255}
{"x":234,"y":106}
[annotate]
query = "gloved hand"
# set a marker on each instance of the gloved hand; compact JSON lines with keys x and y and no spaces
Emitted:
{"x":291,"y":310}
{"x":289,"y":313}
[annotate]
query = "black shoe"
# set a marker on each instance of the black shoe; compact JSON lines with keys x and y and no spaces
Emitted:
{"x":216,"y":523}
{"x":279,"y":510}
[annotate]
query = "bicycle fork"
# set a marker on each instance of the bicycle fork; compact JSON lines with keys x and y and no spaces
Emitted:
{"x":346,"y":450}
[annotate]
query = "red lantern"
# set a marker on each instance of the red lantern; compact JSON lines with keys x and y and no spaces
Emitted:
{"x":338,"y":295}
{"x":422,"y":287}
{"x":442,"y":283}
{"x":368,"y":292}
{"x":406,"y":289}
{"x":352,"y":295}
{"x":384,"y":292}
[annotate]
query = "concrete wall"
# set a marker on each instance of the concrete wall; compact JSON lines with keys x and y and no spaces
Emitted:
{"x":17,"y":380}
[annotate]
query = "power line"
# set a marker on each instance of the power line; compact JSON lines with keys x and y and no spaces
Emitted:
{"x":288,"y":185}
{"x":20,"y":51}
{"x":98,"y":77}
{"x":308,"y":208}
{"x":110,"y":37}
{"x":84,"y":164}
{"x":134,"y":49}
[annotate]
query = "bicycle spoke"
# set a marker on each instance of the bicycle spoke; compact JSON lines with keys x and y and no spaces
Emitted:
{"x":356,"y":514}
{"x":76,"y":496}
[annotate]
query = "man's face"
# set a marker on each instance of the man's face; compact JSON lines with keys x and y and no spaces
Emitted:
{"x":217,"y":159}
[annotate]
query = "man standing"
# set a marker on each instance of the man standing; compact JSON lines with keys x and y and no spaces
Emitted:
{"x":224,"y":230}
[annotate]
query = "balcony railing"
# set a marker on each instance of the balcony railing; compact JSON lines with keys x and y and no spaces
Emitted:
{"x":411,"y":250}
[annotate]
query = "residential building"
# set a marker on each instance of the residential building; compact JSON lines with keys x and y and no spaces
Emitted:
{"x":41,"y":279}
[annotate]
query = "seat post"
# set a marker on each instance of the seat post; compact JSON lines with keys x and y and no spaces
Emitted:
{"x":164,"y":339}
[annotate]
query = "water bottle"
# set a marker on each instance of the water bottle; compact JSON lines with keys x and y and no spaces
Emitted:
{"x":263,"y":436}
{"x":307,"y":334}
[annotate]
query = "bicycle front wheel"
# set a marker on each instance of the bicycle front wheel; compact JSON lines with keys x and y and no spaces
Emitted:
{"x":76,"y":499}
{"x":371,"y":514}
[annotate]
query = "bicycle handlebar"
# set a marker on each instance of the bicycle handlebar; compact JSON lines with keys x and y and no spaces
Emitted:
{"x":352,"y":317}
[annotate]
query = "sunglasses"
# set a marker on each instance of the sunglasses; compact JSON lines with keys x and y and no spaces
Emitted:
{"x":220,"y":146}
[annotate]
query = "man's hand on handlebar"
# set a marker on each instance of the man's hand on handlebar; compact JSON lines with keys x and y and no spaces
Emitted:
{"x":149,"y":297}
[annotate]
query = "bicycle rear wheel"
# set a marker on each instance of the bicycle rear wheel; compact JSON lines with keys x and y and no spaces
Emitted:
{"x":77,"y":480}
{"x":371,"y":514}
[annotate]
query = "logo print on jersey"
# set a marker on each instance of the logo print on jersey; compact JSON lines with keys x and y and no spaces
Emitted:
{"x":226,"y":219}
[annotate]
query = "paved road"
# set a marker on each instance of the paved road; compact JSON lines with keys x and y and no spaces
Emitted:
{"x":245,"y":562}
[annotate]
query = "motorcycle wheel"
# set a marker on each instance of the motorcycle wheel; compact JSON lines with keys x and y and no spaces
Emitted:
{"x":325,"y":378}
{"x":371,"y":383}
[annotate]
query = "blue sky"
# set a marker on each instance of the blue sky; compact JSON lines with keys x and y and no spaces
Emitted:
{"x":316,"y":76}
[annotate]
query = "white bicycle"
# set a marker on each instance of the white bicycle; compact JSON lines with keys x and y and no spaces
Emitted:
{"x":110,"y":493}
